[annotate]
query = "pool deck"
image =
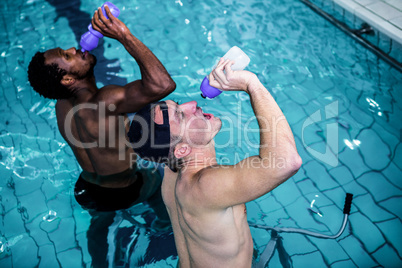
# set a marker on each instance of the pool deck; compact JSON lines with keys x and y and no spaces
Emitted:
{"x":384,"y":15}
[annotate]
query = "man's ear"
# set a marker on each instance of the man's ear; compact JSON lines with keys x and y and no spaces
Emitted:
{"x":67,"y":80}
{"x":182,"y":150}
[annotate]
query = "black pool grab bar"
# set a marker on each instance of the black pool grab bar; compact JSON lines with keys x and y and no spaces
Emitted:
{"x":275,"y":238}
{"x":355,"y":34}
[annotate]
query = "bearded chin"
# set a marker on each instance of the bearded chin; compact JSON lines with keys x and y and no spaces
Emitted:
{"x":89,"y":73}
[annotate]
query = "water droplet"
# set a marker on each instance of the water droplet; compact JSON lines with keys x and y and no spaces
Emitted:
{"x":3,"y":245}
{"x":51,"y":216}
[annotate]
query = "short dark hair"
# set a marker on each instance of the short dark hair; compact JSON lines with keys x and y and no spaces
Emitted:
{"x":45,"y":78}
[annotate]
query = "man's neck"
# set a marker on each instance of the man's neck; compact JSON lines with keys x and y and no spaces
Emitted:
{"x":200,"y":158}
{"x":85,"y":89}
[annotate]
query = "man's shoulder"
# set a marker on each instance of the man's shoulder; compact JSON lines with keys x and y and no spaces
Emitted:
{"x":63,"y":103}
{"x":108,"y":94}
{"x":193,"y":184}
{"x":108,"y":87}
{"x":214,"y":171}
{"x":63,"y":107}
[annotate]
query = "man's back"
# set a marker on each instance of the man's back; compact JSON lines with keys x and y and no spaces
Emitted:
{"x":96,"y":136}
{"x":205,"y":237}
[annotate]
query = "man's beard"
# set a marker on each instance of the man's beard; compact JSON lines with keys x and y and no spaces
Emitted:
{"x":89,"y":73}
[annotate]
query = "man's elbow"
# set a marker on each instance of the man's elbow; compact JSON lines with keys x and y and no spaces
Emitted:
{"x":170,"y":86}
{"x":163,"y":88}
{"x":294,"y":163}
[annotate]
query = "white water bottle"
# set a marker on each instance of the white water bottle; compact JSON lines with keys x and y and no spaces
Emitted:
{"x":241,"y":60}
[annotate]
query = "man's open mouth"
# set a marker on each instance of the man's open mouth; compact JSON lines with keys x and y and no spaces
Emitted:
{"x":207,"y":116}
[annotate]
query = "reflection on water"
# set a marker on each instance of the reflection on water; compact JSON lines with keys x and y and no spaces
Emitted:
{"x":304,"y":62}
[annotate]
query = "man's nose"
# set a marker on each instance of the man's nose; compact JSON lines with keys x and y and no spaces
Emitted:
{"x":72,"y":50}
{"x":190,"y":106}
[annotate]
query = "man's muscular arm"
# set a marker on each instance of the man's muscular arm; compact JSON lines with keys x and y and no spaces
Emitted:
{"x":256,"y":175}
{"x":155,"y":81}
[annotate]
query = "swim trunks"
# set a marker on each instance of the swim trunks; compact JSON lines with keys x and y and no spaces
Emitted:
{"x":93,"y":196}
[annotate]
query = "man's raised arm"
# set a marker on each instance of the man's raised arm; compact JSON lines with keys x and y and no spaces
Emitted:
{"x":155,"y":81}
{"x":277,"y":159}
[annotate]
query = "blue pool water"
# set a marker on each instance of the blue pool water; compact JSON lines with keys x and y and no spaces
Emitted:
{"x":343,"y":103}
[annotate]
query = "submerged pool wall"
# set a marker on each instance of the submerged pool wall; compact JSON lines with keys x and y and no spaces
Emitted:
{"x":385,"y":35}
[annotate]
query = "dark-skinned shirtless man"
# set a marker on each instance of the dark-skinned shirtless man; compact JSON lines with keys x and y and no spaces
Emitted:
{"x":93,"y":120}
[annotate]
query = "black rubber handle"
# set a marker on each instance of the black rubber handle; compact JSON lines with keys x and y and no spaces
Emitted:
{"x":348,"y":203}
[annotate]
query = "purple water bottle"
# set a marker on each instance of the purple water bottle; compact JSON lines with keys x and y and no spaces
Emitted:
{"x":241,"y":60}
{"x":90,"y":39}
